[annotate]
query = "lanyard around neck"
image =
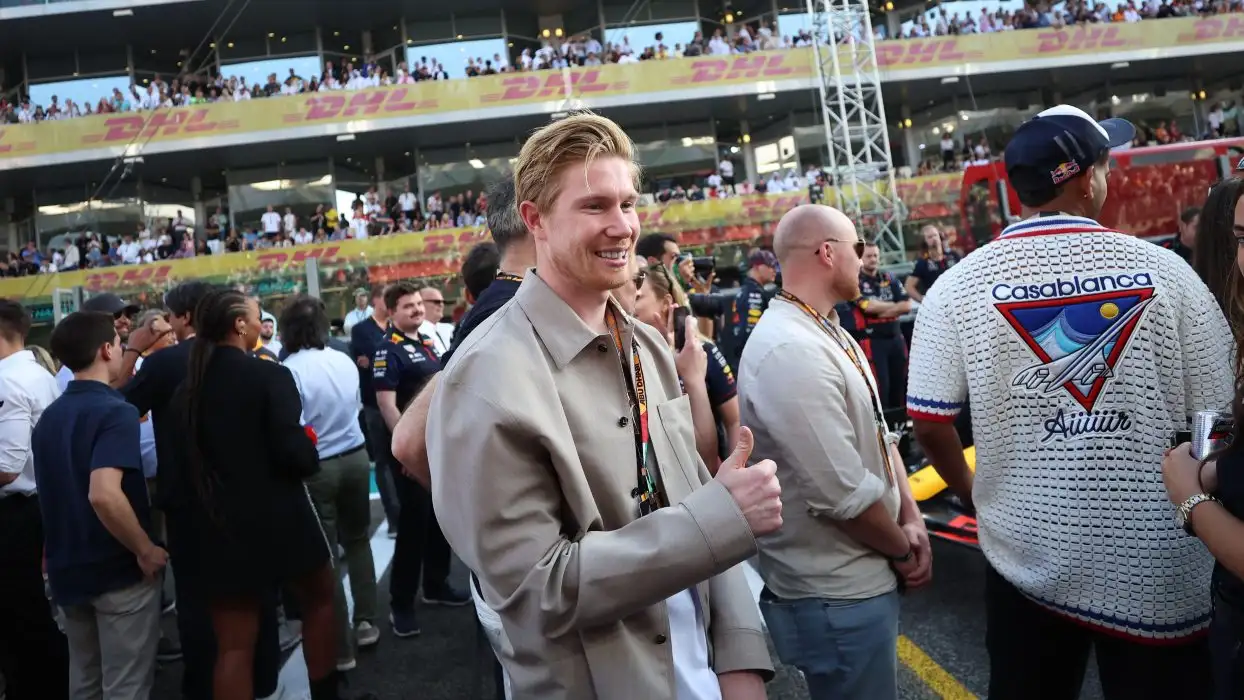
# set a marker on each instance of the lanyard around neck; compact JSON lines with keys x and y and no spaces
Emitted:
{"x":508,"y":277}
{"x":836,"y":334}
{"x":647,"y":491}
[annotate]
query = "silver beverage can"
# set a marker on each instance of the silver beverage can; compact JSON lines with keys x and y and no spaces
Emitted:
{"x":1211,"y":430}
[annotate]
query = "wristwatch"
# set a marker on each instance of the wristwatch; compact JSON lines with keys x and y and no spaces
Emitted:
{"x":1183,"y":513}
{"x":903,"y":559}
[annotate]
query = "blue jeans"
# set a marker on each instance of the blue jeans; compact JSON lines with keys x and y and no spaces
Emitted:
{"x":846,"y":649}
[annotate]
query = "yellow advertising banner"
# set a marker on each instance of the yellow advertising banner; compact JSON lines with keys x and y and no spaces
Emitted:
{"x":439,"y":253}
{"x":425,"y":98}
{"x":1035,"y":44}
{"x":645,"y":77}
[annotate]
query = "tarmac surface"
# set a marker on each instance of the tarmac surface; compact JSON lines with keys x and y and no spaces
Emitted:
{"x":941,"y":649}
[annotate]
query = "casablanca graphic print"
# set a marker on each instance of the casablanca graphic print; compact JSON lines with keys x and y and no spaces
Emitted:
{"x":1079,"y":342}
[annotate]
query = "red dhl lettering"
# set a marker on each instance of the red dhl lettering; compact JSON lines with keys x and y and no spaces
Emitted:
{"x":362,"y":104}
{"x":551,"y":85}
{"x":920,"y":51}
{"x":131,"y":277}
{"x":741,"y":68}
{"x":169,"y":123}
{"x":269,"y":261}
{"x":1079,"y":39}
{"x":651,"y":217}
{"x":1215,"y":28}
{"x":757,"y":207}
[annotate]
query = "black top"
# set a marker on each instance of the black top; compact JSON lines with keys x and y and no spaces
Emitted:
{"x":928,"y":270}
{"x":495,"y":296}
{"x":365,"y":338}
{"x":1231,"y":493}
{"x":247,"y":519}
{"x":1178,"y":248}
{"x":151,"y":390}
{"x":89,"y":427}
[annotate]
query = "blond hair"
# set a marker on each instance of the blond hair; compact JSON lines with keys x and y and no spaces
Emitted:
{"x":44,"y":358}
{"x":581,"y":137}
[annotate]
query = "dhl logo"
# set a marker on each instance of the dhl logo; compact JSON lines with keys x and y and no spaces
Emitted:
{"x":552,"y":85}
{"x":740,"y":68}
{"x":760,"y":209}
{"x":448,"y":243}
{"x":277,"y":260}
{"x":916,"y":51}
{"x":167,"y":123}
{"x":11,"y":147}
{"x":362,"y":104}
{"x":1215,"y":29}
{"x":929,"y":188}
{"x":132,"y":277}
{"x":1081,"y":39}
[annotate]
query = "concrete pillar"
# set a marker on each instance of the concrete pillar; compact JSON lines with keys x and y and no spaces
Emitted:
{"x":381,"y":187}
{"x":200,"y":207}
{"x":893,"y":24}
{"x":368,"y":49}
{"x":10,"y":227}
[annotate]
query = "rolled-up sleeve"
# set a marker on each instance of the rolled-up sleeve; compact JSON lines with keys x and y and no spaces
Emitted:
{"x":499,"y":500}
{"x":16,"y":423}
{"x":804,"y":401}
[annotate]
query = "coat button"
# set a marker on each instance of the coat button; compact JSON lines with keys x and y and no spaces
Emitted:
{"x":659,"y":639}
{"x":602,"y":348}
{"x":623,"y":422}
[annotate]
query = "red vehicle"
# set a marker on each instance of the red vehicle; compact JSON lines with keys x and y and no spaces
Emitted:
{"x":1149,"y":187}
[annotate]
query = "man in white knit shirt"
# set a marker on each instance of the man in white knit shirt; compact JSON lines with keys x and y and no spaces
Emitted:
{"x":1083,"y":351}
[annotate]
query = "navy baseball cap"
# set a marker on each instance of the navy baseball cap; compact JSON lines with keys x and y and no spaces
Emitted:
{"x":1058,"y":145}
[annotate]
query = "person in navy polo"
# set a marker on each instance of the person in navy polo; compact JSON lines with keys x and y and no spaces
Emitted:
{"x":404,"y":362}
{"x":752,"y":300}
{"x":872,"y":319}
{"x":102,"y":565}
{"x":935,"y":258}
{"x":365,"y":337}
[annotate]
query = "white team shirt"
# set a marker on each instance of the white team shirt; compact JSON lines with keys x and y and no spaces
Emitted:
{"x":26,"y":388}
{"x":1083,"y":351}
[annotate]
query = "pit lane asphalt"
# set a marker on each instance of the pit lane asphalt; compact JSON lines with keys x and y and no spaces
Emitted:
{"x":944,"y":623}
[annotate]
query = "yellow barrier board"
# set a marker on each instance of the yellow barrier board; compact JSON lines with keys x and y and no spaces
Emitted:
{"x":645,"y":77}
{"x":1035,"y":44}
{"x":435,"y":253}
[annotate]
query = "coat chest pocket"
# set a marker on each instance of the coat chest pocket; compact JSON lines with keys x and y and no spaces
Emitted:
{"x":673,"y":440}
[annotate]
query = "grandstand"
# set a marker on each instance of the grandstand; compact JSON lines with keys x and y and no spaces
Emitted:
{"x":328,"y":146}
{"x":196,"y":116}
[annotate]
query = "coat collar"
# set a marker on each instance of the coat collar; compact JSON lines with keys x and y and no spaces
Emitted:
{"x":559,"y":328}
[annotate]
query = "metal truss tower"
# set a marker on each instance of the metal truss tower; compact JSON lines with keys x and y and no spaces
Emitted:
{"x":853,"y":115}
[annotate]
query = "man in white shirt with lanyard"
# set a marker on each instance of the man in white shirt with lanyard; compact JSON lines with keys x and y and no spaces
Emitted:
{"x":34,"y":657}
{"x":852,"y":534}
{"x":1084,"y":350}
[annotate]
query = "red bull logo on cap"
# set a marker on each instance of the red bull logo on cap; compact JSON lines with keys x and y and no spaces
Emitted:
{"x":1065,"y":172}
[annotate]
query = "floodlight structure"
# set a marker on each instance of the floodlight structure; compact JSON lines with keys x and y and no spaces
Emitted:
{"x":853,"y":115}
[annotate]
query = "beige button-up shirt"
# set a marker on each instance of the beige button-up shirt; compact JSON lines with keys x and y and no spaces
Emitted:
{"x":533,"y":465}
{"x":813,"y":413}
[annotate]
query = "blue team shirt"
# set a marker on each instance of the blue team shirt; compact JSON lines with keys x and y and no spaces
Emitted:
{"x":91,"y":426}
{"x":403,"y":364}
{"x":365,"y":339}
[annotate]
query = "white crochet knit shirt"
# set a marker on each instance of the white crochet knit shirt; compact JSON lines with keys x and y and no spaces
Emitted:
{"x":1083,"y":351}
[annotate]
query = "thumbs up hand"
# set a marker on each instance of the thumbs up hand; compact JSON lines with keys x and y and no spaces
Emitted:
{"x":755,"y":489}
